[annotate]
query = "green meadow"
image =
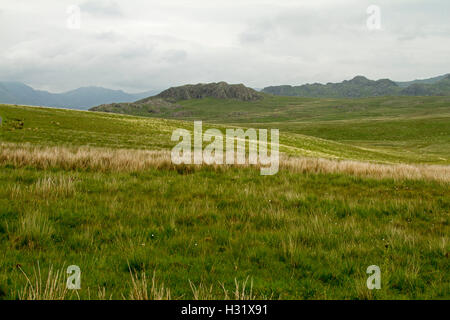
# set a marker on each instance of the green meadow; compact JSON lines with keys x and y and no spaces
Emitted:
{"x":213,"y":232}
{"x":389,"y":129}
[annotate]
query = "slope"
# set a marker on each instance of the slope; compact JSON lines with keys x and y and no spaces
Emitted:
{"x":48,"y":126}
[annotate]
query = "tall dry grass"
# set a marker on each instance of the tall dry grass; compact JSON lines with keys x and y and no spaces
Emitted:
{"x":59,"y":185}
{"x":34,"y":226}
{"x":142,"y":289}
{"x":103,"y":159}
{"x":37,"y":288}
{"x":367,"y":169}
{"x":53,"y":287}
{"x":99,"y":159}
{"x":242,"y":291}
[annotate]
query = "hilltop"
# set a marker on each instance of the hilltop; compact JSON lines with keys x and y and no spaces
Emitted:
{"x":361,"y":87}
{"x":432,"y":80}
{"x":438,"y":88}
{"x":219,"y":90}
{"x":168,"y":100}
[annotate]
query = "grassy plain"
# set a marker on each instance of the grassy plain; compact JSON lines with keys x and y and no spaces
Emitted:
{"x":405,"y":129}
{"x":203,"y":231}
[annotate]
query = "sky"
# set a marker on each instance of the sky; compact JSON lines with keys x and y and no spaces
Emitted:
{"x":137,"y":46}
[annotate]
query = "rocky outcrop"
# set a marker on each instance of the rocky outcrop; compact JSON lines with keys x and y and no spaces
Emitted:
{"x":219,"y":90}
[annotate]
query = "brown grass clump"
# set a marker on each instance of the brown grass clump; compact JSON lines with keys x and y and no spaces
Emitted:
{"x":240,"y":292}
{"x":367,"y":169}
{"x":87,"y":158}
{"x":51,"y":288}
{"x":143,"y":290}
{"x":103,"y":159}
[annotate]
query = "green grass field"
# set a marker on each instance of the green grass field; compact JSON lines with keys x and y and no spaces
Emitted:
{"x":399,"y":129}
{"x":203,"y":231}
{"x":412,"y":129}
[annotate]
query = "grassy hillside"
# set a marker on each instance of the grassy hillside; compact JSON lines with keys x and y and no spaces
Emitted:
{"x":46,"y":126}
{"x":74,"y":190}
{"x":408,"y":129}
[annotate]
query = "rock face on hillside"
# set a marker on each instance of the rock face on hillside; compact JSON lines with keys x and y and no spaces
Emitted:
{"x":166,"y":101}
{"x":219,"y":90}
{"x":145,"y":107}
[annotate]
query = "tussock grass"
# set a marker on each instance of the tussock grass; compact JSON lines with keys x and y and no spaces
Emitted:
{"x":241,"y":291}
{"x":298,"y":235}
{"x":202,"y":291}
{"x":103,"y":159}
{"x":367,"y":169}
{"x":53,"y":287}
{"x":142,"y":289}
{"x":84,"y":158}
{"x":60,"y":186}
{"x":35,"y":225}
{"x":31,"y":230}
{"x":92,"y":195}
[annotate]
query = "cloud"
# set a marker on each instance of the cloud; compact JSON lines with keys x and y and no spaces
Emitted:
{"x":175,"y":56}
{"x":136,"y":46}
{"x":99,"y":7}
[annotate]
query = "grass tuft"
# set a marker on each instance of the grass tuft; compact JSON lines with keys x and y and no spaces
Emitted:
{"x":53,"y":287}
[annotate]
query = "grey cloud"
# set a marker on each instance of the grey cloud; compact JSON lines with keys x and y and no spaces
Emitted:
{"x":107,"y":36}
{"x":99,"y":7}
{"x":257,"y":32}
{"x":175,"y":56}
{"x":156,"y":45}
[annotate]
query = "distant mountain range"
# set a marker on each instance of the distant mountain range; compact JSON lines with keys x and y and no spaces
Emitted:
{"x":405,"y":84}
{"x":360,"y":87}
{"x":87,"y":97}
{"x":81,"y":98}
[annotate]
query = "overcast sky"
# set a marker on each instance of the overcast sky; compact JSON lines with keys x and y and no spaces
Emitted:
{"x":142,"y":45}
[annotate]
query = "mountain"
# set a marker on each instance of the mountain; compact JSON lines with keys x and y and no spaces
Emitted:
{"x":405,"y":84}
{"x":167,"y":99}
{"x":81,"y":98}
{"x":219,"y":90}
{"x":360,"y":87}
{"x":87,"y":97}
{"x":357,"y":87}
{"x":438,"y":88}
{"x":19,"y":93}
